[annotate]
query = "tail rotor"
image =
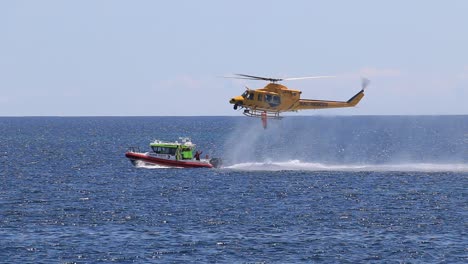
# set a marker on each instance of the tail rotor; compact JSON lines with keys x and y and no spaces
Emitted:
{"x":364,"y":83}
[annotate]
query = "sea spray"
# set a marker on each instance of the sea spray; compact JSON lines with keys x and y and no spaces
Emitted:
{"x":349,"y":140}
{"x":297,"y":165}
{"x":250,"y":142}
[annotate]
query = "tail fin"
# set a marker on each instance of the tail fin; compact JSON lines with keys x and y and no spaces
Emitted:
{"x":357,"y":97}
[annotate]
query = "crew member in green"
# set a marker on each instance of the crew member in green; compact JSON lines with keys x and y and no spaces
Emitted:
{"x":178,"y":156}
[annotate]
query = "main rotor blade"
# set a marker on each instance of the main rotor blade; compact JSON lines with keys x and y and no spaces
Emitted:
{"x":309,"y":77}
{"x":244,"y":78}
{"x":254,"y":77}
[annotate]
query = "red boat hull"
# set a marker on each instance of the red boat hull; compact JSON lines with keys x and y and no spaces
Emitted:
{"x":165,"y":162}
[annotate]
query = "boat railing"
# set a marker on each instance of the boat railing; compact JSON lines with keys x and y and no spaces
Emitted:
{"x":185,"y":139}
{"x":133,"y":149}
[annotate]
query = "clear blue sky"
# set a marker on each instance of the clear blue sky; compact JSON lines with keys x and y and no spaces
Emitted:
{"x":82,"y":58}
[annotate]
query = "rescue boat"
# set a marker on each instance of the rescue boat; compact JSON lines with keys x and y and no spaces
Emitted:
{"x":172,"y":154}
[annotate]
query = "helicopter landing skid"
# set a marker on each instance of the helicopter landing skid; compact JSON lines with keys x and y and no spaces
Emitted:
{"x":261,"y":114}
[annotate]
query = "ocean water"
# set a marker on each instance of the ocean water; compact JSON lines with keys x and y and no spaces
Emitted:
{"x":388,"y":189}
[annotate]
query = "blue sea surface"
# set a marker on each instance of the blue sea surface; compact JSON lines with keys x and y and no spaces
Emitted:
{"x":379,"y":189}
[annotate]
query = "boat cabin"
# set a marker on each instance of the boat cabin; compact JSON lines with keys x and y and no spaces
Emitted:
{"x":177,"y":150}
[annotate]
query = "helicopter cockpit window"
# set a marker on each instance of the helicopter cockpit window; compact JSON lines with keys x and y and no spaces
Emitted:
{"x":268,"y":98}
{"x":250,"y":96}
{"x":245,"y":94}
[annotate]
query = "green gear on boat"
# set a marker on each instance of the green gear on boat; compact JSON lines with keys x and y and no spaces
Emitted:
{"x":187,"y":154}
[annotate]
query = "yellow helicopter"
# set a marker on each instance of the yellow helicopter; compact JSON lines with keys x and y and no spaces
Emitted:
{"x":274,"y":98}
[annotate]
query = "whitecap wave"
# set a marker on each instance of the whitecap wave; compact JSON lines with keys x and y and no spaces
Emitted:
{"x":142,"y":164}
{"x":311,"y":166}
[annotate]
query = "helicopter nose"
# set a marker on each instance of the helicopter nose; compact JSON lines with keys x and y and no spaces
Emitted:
{"x":237,"y":100}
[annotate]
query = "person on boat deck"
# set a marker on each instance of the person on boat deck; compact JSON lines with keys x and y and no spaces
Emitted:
{"x":178,"y":154}
{"x":197,"y":154}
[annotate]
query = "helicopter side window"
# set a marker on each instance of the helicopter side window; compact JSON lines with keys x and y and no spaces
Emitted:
{"x":268,"y":98}
{"x":276,"y":99}
{"x":260,"y":97}
{"x":250,"y":96}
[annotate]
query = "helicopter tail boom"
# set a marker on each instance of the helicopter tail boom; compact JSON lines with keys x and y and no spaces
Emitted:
{"x":304,"y":104}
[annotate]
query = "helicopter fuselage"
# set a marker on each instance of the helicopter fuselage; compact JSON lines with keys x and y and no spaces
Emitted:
{"x":275,"y":98}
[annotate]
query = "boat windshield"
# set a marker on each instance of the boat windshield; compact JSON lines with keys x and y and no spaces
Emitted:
{"x":164,"y":150}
